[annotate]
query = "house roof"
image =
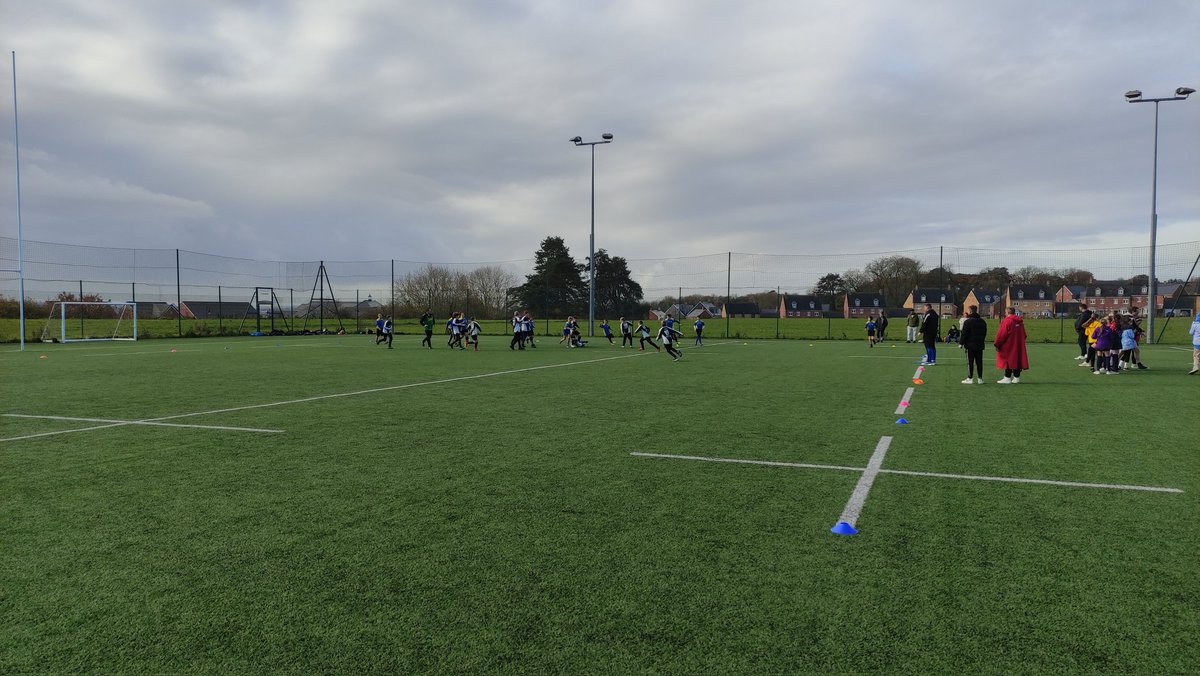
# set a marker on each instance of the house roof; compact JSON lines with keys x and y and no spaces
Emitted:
{"x":211,"y":308}
{"x":801,"y":303}
{"x":989,"y":296}
{"x":865,"y":300}
{"x":931,"y":295}
{"x":1107,"y":289}
{"x":1031,"y":291}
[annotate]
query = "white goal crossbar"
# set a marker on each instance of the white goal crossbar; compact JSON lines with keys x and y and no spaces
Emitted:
{"x":83,"y":321}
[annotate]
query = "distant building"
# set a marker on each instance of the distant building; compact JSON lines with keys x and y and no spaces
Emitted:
{"x":863,"y":305}
{"x":942,"y":301}
{"x":799,"y":306}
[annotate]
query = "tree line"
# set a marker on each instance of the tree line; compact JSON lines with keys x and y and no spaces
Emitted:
{"x":557,"y":287}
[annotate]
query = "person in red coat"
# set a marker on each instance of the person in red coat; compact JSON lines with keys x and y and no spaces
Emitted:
{"x":1010,"y":348}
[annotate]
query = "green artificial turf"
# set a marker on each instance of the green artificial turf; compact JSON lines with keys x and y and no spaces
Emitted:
{"x":466,"y":512}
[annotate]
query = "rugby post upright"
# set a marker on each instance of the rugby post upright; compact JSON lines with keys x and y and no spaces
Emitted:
{"x":606,"y":138}
{"x":1135,"y":96}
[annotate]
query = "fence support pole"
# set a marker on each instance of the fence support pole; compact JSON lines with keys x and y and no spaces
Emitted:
{"x":178,"y":295}
{"x":220,"y":311}
{"x":728,"y":288}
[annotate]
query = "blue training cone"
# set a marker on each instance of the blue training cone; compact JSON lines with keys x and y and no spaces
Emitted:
{"x":902,"y":421}
{"x":843,"y":528}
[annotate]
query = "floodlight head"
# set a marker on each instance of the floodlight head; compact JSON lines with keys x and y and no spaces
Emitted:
{"x":577,"y":140}
{"x":1133,"y":94}
{"x":1184,"y":91}
{"x":608,"y":137}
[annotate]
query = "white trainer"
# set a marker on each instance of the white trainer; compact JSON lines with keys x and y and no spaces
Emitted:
{"x":1080,"y":358}
{"x":1083,"y":363}
{"x":1004,"y":381}
{"x":979,"y":381}
{"x":968,"y":381}
{"x":1016,"y":381}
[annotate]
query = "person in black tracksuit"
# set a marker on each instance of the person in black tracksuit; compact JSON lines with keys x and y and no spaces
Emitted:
{"x":973,"y":339}
{"x":1085,"y":316}
{"x":929,"y":334}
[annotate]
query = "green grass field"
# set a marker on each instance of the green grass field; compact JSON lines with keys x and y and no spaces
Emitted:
{"x":414,"y":510}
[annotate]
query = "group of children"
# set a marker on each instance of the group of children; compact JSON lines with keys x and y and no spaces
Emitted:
{"x":462,"y":332}
{"x":1112,"y":344}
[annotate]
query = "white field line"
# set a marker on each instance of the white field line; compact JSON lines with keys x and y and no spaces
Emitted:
{"x":905,"y":472}
{"x":769,"y":463}
{"x":1047,"y":482}
{"x":142,"y":422}
{"x":904,"y":401}
{"x":374,"y":390}
{"x":858,"y":498}
{"x":918,"y":372}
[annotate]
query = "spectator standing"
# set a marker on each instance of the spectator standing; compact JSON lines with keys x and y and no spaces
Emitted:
{"x":929,"y":335}
{"x":972,"y":339}
{"x":911,"y":325}
{"x":1010,"y":348}
{"x":1082,"y":320}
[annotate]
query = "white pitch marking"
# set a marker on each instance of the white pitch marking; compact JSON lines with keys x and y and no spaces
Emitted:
{"x":374,"y":390}
{"x":1048,"y":482}
{"x":142,"y":422}
{"x":769,"y":463}
{"x":905,"y":400}
{"x":858,"y":498}
{"x":939,"y":475}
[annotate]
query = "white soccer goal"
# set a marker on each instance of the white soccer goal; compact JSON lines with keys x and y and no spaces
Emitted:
{"x":72,"y":321}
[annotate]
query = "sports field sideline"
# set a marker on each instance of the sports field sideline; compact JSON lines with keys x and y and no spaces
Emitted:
{"x":318,"y":503}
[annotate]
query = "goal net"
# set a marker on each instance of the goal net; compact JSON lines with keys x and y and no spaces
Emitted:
{"x":74,"y":321}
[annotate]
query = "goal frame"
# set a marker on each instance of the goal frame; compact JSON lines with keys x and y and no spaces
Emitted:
{"x":122,"y":308}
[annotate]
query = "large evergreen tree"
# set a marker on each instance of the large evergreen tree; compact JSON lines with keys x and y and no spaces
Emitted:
{"x":616,"y":292}
{"x":557,"y":287}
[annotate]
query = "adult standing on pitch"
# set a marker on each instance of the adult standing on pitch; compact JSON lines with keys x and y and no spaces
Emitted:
{"x":427,"y":322}
{"x":974,"y":333}
{"x":1082,"y":320}
{"x":881,"y":327}
{"x":626,"y":332}
{"x":912,"y":324}
{"x":929,"y":335}
{"x":1010,"y":348}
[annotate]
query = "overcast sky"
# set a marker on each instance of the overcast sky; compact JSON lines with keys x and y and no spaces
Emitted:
{"x":438,"y":131}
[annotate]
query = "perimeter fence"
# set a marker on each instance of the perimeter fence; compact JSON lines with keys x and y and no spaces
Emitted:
{"x":310,"y":294}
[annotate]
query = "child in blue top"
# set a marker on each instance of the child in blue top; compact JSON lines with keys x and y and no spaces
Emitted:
{"x":698,"y":326}
{"x":1128,"y":345}
{"x":607,"y":331}
{"x":870,"y":333}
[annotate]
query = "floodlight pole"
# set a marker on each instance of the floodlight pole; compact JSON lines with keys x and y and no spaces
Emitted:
{"x":1135,"y":96}
{"x":607,"y":138}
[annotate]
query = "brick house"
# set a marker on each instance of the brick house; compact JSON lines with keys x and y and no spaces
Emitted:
{"x":989,"y":301}
{"x":942,"y":301}
{"x":859,"y":305}
{"x":799,"y":306}
{"x":1031,"y":300}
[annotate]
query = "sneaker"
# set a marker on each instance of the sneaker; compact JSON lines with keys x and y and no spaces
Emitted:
{"x":1016,"y":381}
{"x":979,"y":381}
{"x":1097,"y":372}
{"x":1084,"y":363}
{"x":1143,"y":367}
{"x":1193,"y":372}
{"x":674,"y":358}
{"x":1004,"y":381}
{"x":968,"y":381}
{"x":1080,"y":358}
{"x":1110,"y":373}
